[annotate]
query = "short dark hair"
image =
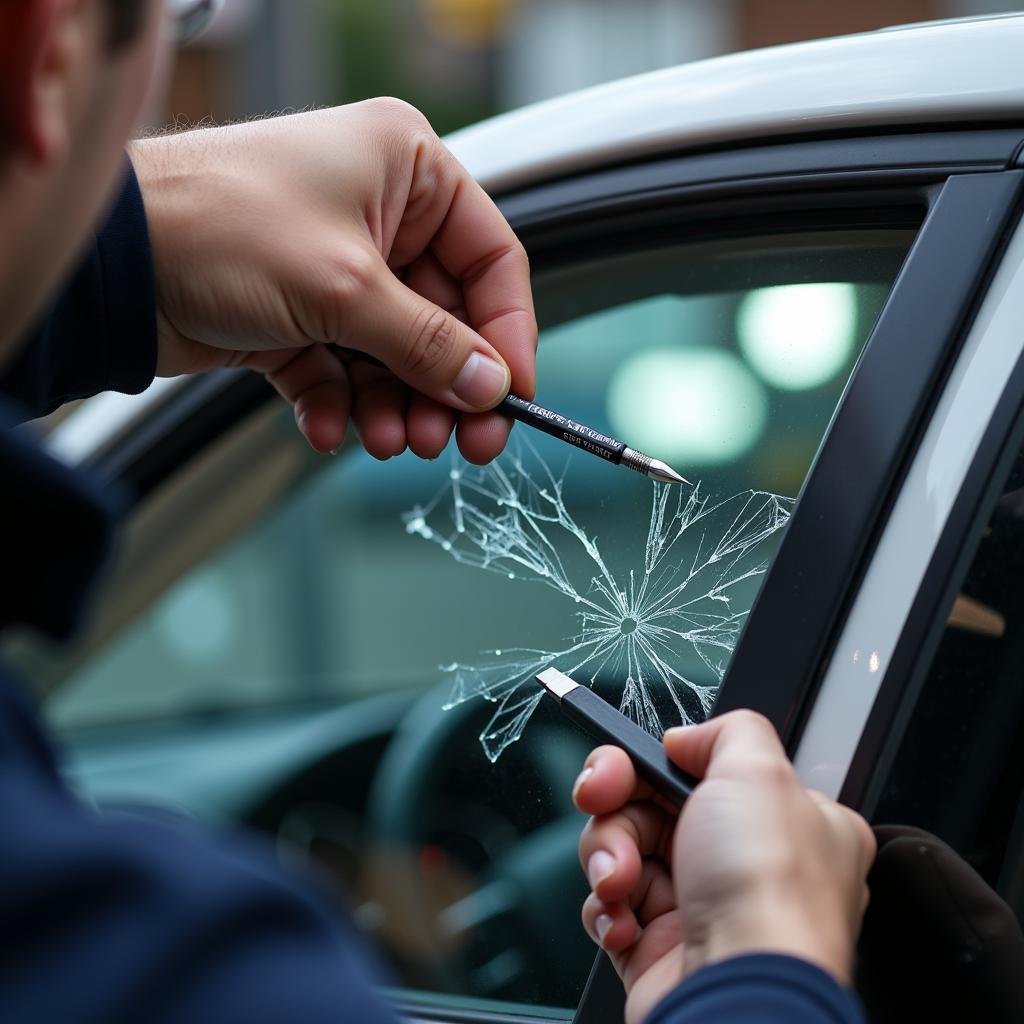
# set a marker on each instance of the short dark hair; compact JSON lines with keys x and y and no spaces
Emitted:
{"x":126,"y":18}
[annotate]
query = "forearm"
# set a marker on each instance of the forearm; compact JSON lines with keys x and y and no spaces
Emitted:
{"x":100,"y":334}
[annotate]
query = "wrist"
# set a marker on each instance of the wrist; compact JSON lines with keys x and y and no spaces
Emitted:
{"x":793,"y":927}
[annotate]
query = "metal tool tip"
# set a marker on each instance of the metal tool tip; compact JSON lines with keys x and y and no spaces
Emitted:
{"x":663,"y":471}
{"x":558,"y":684}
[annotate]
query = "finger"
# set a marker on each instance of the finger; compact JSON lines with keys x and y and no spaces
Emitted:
{"x":428,"y":278}
{"x":651,"y":901}
{"x":316,"y":385}
{"x":868,"y":839}
{"x":429,"y":425}
{"x":743,"y":742}
{"x":422,"y":343}
{"x":608,"y":782}
{"x":482,"y":436}
{"x":850,"y":826}
{"x":655,"y":895}
{"x":613,"y":926}
{"x":478,"y":248}
{"x":449,"y":213}
{"x":378,"y":410}
{"x":613,"y":847}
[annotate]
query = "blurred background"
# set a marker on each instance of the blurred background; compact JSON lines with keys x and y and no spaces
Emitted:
{"x":462,"y":60}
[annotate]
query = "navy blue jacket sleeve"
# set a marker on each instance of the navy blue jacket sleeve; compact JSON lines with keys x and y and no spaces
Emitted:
{"x":101,"y":333}
{"x":122,"y":918}
{"x":759,"y":989}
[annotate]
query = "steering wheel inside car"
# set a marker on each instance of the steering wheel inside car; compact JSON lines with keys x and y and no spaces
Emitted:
{"x":480,"y":881}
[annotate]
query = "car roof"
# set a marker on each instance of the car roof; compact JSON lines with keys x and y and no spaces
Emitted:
{"x":962,"y":71}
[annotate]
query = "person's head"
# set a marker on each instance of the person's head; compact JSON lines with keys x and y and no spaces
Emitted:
{"x":74,"y":75}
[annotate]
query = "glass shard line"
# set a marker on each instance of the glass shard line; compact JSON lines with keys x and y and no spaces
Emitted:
{"x":662,"y":633}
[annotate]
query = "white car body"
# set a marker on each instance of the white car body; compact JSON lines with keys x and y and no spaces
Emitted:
{"x":958,"y":71}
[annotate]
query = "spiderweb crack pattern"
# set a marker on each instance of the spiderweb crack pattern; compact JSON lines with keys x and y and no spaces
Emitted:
{"x":642,"y":626}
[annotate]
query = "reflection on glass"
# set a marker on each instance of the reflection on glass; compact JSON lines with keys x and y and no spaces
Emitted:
{"x":798,"y":336}
{"x":691,"y":406}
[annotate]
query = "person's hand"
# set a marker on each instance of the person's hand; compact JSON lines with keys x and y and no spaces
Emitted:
{"x":756,"y":862}
{"x":277,"y":240}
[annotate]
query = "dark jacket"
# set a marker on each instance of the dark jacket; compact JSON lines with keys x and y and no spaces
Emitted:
{"x":122,"y":918}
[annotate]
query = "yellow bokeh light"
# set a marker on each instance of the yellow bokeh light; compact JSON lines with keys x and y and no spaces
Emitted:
{"x":467,"y":22}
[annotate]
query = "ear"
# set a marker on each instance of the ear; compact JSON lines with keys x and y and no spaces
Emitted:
{"x":34,"y":59}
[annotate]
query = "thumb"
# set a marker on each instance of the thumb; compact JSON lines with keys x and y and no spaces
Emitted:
{"x":740,"y":743}
{"x":427,"y":347}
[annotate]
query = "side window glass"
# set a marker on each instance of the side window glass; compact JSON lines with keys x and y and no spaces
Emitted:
{"x":958,"y":771}
{"x":354,"y":672}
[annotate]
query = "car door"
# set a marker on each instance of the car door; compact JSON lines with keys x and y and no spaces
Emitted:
{"x":919,"y":714}
{"x":780,"y":320}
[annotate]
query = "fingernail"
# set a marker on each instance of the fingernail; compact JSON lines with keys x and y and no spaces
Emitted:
{"x":580,"y":779}
{"x":599,"y":867}
{"x":603,"y":924}
{"x":481,"y":382}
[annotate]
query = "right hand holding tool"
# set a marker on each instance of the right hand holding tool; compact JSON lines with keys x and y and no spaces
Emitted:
{"x":756,"y":862}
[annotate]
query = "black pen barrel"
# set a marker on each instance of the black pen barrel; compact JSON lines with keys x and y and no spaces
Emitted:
{"x":604,"y":722}
{"x":554,"y":423}
{"x":565,"y":429}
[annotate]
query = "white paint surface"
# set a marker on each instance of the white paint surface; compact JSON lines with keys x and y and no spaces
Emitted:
{"x":968,"y":72}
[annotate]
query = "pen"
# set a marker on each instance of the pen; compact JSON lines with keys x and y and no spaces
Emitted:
{"x":572,"y":432}
{"x":598,"y":718}
{"x":588,"y":439}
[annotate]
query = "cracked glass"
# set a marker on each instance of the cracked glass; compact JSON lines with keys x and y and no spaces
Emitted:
{"x":641,"y":625}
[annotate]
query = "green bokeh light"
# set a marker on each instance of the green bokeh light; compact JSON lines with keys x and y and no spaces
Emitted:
{"x":692,"y":405}
{"x":798,"y":336}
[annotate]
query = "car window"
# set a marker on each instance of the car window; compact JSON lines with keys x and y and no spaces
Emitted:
{"x":957,"y":770}
{"x":419,"y":598}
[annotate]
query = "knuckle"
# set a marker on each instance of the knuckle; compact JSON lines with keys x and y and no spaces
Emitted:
{"x":586,"y":836}
{"x":521,"y":256}
{"x":776,"y":771}
{"x":352,"y":278}
{"x":430,"y":343}
{"x":390,"y":108}
{"x":756,"y":722}
{"x":751,"y":718}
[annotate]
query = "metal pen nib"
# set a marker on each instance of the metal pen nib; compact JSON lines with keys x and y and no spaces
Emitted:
{"x":654,"y":468}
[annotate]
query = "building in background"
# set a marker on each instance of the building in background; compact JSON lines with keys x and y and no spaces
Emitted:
{"x":462,"y":60}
